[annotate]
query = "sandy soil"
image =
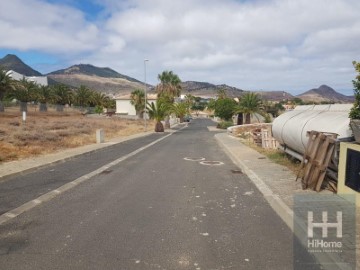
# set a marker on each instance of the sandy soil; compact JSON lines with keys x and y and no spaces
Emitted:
{"x":52,"y":131}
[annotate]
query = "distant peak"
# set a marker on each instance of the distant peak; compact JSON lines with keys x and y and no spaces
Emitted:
{"x":12,"y":57}
{"x":11,"y":61}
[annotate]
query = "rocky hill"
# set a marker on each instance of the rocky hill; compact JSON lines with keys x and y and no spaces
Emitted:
{"x":101,"y":79}
{"x":204,"y":89}
{"x":90,"y":70}
{"x":274,"y":95}
{"x":12,"y":62}
{"x":325,"y":94}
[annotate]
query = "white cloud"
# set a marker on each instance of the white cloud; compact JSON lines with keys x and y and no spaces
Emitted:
{"x":275,"y":44}
{"x":35,"y":24}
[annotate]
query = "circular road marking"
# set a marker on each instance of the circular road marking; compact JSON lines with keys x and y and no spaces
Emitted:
{"x":212,"y":163}
{"x":194,"y":158}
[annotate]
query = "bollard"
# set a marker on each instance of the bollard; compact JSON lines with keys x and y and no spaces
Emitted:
{"x":100,"y":136}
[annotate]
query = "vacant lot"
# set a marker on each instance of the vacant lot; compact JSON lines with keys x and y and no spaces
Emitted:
{"x":52,"y":131}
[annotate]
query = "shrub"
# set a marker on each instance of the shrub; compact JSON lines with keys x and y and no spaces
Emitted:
{"x":225,"y":124}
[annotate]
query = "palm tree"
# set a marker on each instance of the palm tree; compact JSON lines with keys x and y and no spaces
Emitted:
{"x":83,"y":96}
{"x":168,"y":88}
{"x":180,"y":110}
{"x":44,"y":95}
{"x":62,"y":96}
{"x":250,"y":104}
{"x":221,"y":94}
{"x":158,"y":111}
{"x":6,"y":84}
{"x":189,"y":100}
{"x":24,"y":91}
{"x":99,"y":99}
{"x":137,"y":99}
{"x":110,"y":104}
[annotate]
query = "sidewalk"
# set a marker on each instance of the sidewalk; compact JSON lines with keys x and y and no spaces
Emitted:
{"x":276,"y":182}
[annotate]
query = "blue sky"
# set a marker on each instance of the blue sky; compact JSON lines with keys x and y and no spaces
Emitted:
{"x":254,"y":45}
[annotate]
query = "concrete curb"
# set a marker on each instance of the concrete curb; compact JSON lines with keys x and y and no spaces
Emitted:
{"x":278,"y":205}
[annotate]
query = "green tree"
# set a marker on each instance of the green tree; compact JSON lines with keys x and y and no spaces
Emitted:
{"x":83,"y":96}
{"x":211,"y":104}
{"x":189,"y":100}
{"x":24,"y":92}
{"x":249,"y":104}
{"x":180,"y":110}
{"x":225,"y":108}
{"x":62,"y":96}
{"x":99,"y":99}
{"x":355,"y":110}
{"x":198,"y":105}
{"x":44,"y":95}
{"x":110,"y":104}
{"x":158,"y":111}
{"x":221,"y":94}
{"x":137,"y":99}
{"x":168,"y":88}
{"x":7,"y":84}
{"x":297,"y":101}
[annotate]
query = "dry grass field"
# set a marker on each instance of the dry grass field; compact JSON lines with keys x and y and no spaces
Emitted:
{"x":53,"y":131}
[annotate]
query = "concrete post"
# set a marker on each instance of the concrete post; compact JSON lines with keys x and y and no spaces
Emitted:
{"x":100,"y":136}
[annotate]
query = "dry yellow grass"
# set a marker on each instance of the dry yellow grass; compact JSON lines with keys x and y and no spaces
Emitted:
{"x":276,"y":156}
{"x":52,"y":131}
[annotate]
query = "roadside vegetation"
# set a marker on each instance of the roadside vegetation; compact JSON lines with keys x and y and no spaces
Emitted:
{"x":26,"y":92}
{"x":276,"y":156}
{"x":52,"y":131}
{"x":56,"y":118}
{"x":168,"y":90}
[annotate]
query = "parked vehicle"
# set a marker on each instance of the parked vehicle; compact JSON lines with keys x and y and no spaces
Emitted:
{"x":187,"y":118}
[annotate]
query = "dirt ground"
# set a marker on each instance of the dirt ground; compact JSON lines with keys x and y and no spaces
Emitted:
{"x":53,"y":131}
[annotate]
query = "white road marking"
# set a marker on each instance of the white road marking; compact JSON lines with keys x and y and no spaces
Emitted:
{"x":52,"y":194}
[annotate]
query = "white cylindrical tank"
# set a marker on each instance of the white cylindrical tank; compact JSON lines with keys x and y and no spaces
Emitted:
{"x":290,"y":128}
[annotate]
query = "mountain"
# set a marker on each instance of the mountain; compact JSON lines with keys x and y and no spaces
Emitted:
{"x":204,"y":89}
{"x":101,"y":79}
{"x":12,"y":62}
{"x":274,"y":95}
{"x":325,"y":94}
{"x":90,"y":70}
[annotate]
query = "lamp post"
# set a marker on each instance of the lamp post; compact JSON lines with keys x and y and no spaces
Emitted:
{"x":145,"y":111}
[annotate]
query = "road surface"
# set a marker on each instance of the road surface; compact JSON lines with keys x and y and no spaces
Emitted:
{"x":159,"y":209}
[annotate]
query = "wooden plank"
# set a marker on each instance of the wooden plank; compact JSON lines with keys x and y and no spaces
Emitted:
{"x":317,"y":157}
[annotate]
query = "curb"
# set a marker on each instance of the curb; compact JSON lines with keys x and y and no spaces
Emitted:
{"x":278,"y":205}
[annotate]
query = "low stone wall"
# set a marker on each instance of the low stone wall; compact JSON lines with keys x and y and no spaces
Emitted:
{"x":237,"y":130}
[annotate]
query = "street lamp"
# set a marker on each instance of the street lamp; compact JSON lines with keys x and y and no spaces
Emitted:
{"x":145,"y":114}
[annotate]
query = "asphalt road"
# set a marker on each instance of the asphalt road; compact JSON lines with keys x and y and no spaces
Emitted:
{"x":16,"y":190}
{"x":155,"y":210}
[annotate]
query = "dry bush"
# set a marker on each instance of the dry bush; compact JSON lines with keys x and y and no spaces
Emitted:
{"x":52,"y":131}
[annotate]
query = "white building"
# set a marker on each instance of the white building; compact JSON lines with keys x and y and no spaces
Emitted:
{"x":41,"y":80}
{"x":124,"y":107}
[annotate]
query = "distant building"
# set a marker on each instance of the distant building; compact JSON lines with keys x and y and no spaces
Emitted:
{"x":124,"y":107}
{"x":40,"y":80}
